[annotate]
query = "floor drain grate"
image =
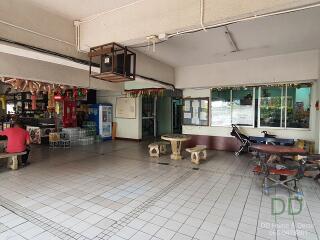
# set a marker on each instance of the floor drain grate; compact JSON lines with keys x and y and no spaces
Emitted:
{"x":163,"y":163}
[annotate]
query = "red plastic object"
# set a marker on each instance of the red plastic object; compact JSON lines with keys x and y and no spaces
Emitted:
{"x":257,"y":169}
{"x":69,"y":113}
{"x":69,"y":116}
{"x":277,"y":150}
{"x":273,"y":171}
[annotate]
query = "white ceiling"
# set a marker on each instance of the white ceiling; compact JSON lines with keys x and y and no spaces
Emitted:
{"x":79,"y":9}
{"x":280,"y":34}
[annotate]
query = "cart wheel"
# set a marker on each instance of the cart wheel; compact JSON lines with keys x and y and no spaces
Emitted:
{"x":299,"y":195}
{"x":266,"y":191}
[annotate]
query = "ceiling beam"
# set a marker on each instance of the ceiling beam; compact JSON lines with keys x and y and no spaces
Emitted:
{"x":132,"y":24}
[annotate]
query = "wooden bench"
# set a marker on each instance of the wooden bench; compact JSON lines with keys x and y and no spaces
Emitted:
{"x":158,"y":147}
{"x":12,"y":159}
{"x":197,"y":153}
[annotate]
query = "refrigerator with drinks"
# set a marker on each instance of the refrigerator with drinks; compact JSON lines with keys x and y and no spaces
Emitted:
{"x":101,"y":114}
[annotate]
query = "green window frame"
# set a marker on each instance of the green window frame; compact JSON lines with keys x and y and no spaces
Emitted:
{"x":282,"y":106}
{"x":233,"y":106}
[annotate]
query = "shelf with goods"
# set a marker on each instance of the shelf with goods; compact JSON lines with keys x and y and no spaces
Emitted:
{"x":23,"y":104}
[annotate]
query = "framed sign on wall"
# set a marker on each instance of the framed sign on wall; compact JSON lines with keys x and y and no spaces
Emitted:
{"x":196,"y":111}
{"x":126,"y":107}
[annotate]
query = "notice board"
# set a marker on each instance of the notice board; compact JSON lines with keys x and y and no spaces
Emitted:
{"x":196,"y":111}
{"x":126,"y":107}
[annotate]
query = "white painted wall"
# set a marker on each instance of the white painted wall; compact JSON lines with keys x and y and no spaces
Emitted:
{"x":150,"y":67}
{"x":292,"y":67}
{"x":280,"y":68}
{"x":140,"y":83}
{"x":126,"y":128}
{"x":317,"y":113}
{"x":308,"y":134}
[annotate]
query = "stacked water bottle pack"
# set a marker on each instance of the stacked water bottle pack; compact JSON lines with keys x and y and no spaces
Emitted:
{"x":73,"y":134}
{"x":79,"y":136}
{"x":90,"y":127}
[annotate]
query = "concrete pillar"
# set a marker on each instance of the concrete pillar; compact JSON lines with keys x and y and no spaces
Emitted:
{"x":317,"y":118}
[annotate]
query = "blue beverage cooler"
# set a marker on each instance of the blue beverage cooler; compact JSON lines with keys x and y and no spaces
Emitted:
{"x":101,"y":114}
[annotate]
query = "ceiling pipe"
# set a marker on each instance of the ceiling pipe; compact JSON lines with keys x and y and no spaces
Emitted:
{"x":203,"y":27}
{"x":201,"y":15}
{"x":246,"y":19}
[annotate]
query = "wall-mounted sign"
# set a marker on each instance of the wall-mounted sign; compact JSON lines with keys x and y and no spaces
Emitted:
{"x":196,"y":111}
{"x":126,"y":107}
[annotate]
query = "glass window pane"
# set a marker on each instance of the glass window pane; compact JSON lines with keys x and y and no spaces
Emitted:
{"x":220,"y":108}
{"x":242,"y":107}
{"x":271,"y":106}
{"x":298,"y":106}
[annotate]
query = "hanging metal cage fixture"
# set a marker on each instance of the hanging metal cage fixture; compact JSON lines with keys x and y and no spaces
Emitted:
{"x":117,"y":63}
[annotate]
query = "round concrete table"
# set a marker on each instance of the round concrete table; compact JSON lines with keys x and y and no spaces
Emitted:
{"x":176,"y":142}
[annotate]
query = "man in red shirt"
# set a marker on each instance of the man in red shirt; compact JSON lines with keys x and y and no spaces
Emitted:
{"x":18,"y":141}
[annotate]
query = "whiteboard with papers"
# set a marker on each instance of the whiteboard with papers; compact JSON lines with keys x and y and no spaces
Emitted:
{"x":126,"y":107}
{"x":196,"y":111}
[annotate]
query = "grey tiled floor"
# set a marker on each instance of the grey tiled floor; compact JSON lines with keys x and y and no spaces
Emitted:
{"x":114,"y":191}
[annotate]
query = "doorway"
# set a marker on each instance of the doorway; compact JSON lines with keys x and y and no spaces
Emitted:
{"x":177,"y":105}
{"x":149,"y":117}
{"x":161,"y":115}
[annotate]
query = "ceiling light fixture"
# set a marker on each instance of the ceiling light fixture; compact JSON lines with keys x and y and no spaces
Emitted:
{"x":163,"y":36}
{"x":152,"y":40}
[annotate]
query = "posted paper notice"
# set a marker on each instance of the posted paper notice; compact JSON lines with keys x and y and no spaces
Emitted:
{"x":187,"y":115}
{"x":195,"y":104}
{"x":187,"y":105}
{"x":204,"y":103}
{"x":203,"y":116}
{"x":195,"y":121}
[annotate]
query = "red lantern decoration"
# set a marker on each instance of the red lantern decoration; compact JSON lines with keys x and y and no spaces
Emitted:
{"x":33,"y":102}
{"x":75,"y":92}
